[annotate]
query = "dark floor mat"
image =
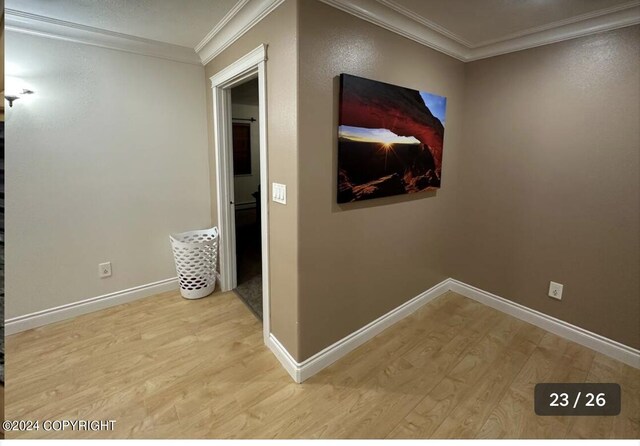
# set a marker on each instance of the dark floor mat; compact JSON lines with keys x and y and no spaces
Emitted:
{"x":251,"y":293}
{"x":249,"y":260}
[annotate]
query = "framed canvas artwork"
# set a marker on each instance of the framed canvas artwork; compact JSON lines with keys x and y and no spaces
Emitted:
{"x":390,"y":139}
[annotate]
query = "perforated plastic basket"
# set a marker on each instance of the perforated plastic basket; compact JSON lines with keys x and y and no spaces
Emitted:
{"x":196,"y":253}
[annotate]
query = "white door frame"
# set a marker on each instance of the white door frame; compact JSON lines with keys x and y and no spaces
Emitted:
{"x":246,"y":67}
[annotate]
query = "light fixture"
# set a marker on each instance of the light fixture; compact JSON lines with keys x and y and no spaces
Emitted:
{"x":14,"y":96}
{"x":15,"y":88}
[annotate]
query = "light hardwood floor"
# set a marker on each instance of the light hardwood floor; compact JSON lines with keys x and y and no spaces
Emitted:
{"x":165,"y":367}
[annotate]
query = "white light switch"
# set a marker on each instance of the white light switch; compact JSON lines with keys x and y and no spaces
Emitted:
{"x":279,"y":193}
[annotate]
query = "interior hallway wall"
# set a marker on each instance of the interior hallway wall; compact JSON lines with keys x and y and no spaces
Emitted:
{"x":360,"y":260}
{"x":104,"y":161}
{"x":550,"y":180}
{"x":279,"y":31}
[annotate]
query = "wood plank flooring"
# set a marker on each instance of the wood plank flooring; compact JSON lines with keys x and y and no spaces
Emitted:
{"x":165,"y":367}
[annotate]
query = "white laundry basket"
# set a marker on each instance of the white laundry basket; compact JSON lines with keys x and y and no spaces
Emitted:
{"x":196,"y":253}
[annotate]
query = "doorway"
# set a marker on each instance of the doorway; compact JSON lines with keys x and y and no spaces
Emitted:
{"x":246,"y":191}
{"x":250,"y":67}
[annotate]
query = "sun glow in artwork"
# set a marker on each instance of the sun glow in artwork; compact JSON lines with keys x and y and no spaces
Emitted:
{"x":387,"y":147}
{"x":390,"y":139}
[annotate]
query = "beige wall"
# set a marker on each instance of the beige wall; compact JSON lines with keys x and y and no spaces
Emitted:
{"x":279,"y":31}
{"x":540,"y":178}
{"x":100,"y":167}
{"x":550,"y":180}
{"x":360,"y":260}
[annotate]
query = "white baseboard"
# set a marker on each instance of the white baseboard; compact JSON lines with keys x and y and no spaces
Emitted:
{"x":300,"y":371}
{"x":594,"y":341}
{"x":287,"y":361}
{"x":63,"y":312}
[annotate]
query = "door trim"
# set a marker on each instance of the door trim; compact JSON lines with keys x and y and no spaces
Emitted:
{"x":249,"y":66}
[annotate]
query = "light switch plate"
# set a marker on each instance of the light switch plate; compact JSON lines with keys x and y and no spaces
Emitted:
{"x":279,"y":193}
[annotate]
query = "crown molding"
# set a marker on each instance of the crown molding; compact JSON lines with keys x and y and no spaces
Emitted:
{"x":243,"y":16}
{"x":565,"y":30}
{"x":426,"y":22}
{"x":397,"y":22}
{"x":216,"y":29}
{"x":559,"y":23}
{"x":395,"y":18}
{"x":384,"y":13}
{"x":33,"y":24}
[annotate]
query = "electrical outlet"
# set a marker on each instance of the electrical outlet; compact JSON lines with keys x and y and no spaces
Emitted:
{"x":104,"y":270}
{"x":555,"y":290}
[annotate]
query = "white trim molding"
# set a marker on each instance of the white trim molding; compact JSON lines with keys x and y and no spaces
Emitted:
{"x":387,"y":14}
{"x":292,"y":367}
{"x":27,"y":23}
{"x":251,"y":65}
{"x":564,"y":31}
{"x":300,"y":371}
{"x":221,"y":24}
{"x":246,"y":62}
{"x":594,"y":341}
{"x":424,"y":21}
{"x":607,"y":15}
{"x":244,"y":16}
{"x":68,"y":311}
{"x":396,"y":22}
{"x":400,"y":20}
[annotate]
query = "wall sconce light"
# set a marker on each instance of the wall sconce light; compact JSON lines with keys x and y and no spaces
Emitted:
{"x":15,"y":88}
{"x":12,"y":97}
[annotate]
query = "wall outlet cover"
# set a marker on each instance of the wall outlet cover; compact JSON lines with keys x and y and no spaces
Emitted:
{"x":104,"y":270}
{"x":555,"y":290}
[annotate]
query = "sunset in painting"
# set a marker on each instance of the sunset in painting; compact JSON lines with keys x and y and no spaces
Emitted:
{"x":389,"y":140}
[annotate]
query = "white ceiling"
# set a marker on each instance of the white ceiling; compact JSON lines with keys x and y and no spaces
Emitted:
{"x":179,"y":22}
{"x":475,"y":29}
{"x":476,"y":23}
{"x":464,"y":29}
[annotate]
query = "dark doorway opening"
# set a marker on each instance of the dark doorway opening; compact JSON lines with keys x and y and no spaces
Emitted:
{"x":246,"y":166}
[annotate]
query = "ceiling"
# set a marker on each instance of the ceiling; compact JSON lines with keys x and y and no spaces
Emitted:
{"x":199,"y":30}
{"x":179,"y":22}
{"x":475,"y":29}
{"x":477,"y":23}
{"x":246,"y":94}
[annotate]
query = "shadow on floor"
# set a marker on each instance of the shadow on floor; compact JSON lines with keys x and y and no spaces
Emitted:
{"x":249,"y":260}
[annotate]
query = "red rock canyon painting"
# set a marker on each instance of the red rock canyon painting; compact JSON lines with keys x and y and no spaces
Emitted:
{"x":390,"y":139}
